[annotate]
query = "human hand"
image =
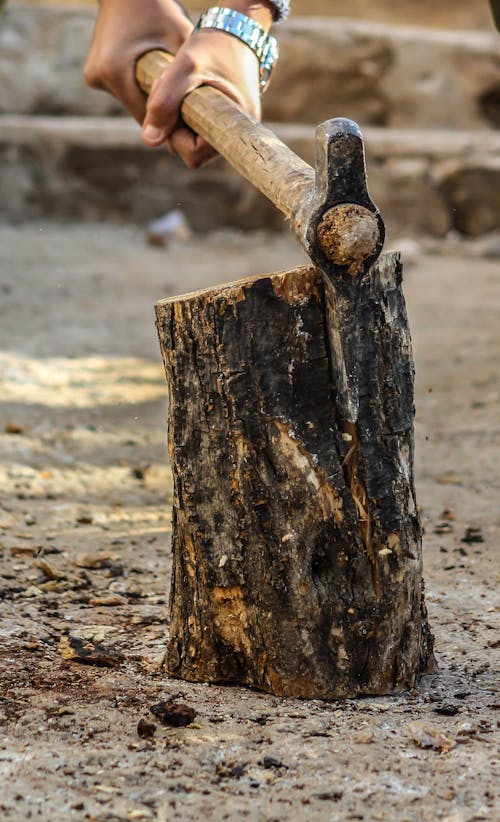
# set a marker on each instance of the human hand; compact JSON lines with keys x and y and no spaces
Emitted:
{"x":124,"y":30}
{"x":208,"y":57}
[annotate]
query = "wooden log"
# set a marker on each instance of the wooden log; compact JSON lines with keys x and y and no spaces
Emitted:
{"x":296,"y":538}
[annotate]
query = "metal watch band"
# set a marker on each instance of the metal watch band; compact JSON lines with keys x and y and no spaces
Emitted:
{"x":282,"y":9}
{"x":264,"y":45}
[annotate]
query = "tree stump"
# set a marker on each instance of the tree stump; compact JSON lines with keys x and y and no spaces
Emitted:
{"x":297,"y":565}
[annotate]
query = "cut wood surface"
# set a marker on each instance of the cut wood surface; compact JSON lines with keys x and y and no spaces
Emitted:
{"x":297,"y":541}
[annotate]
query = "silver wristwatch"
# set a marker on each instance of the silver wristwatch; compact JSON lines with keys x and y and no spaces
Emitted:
{"x":264,"y":45}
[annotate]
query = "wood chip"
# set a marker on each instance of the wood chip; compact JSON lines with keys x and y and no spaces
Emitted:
{"x":109,"y":600}
{"x":25,"y":550}
{"x":48,"y":570}
{"x":32,"y":591}
{"x":88,"y":651}
{"x":426,"y":736}
{"x":448,"y":479}
{"x":96,"y":560}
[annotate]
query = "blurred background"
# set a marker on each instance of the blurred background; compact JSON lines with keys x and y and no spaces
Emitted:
{"x":422,"y":79}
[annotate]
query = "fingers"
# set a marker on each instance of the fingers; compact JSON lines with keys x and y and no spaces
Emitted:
{"x":107,"y":73}
{"x":207,"y":58}
{"x":192,"y":149}
{"x":163,"y":106}
{"x":163,"y":124}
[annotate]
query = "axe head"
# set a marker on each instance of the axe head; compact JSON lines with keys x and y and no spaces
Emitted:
{"x":340,"y":226}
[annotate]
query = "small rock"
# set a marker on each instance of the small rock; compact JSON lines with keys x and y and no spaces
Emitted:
{"x":146,"y":619}
{"x":467,"y":728}
{"x":443,"y":528}
{"x":14,"y":428}
{"x":139,"y":471}
{"x":237,"y":771}
{"x":85,"y":519}
{"x":108,"y":600}
{"x":115,"y":570}
{"x":446,"y":709}
{"x":472,"y":535}
{"x":272,"y":762}
{"x":145,"y":729}
{"x":172,"y":713}
{"x":25,"y":550}
{"x":262,"y":719}
{"x":330,"y":796}
{"x":33,"y":591}
{"x":96,"y":560}
{"x":364,"y":737}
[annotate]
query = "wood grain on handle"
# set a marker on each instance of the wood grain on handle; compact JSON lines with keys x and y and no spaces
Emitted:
{"x":251,"y":148}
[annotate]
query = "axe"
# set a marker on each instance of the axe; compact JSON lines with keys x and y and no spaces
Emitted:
{"x":329,"y":208}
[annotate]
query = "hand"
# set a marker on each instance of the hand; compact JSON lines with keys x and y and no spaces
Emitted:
{"x":208,"y":57}
{"x":124,"y":30}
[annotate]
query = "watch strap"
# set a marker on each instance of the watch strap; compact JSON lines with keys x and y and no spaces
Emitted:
{"x":264,"y":45}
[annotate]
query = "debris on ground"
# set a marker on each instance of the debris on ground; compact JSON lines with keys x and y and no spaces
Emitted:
{"x":86,"y":646}
{"x":13,"y":428}
{"x":472,"y":536}
{"x":145,"y":729}
{"x":170,"y":712}
{"x":172,"y":226}
{"x":86,"y":384}
{"x":426,"y":736}
{"x":95,"y":560}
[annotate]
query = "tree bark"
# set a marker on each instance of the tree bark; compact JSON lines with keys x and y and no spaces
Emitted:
{"x":296,"y":537}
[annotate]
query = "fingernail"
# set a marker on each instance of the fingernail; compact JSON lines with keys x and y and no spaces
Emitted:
{"x":152,"y":133}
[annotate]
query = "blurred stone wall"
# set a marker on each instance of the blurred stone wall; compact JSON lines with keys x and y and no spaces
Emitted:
{"x":376,"y":74}
{"x":452,"y":14}
{"x":428,"y":101}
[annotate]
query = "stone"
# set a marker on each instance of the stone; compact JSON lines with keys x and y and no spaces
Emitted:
{"x":377,"y":74}
{"x":99,"y":169}
{"x":42,"y":53}
{"x":384,"y":75}
{"x":473,"y":195}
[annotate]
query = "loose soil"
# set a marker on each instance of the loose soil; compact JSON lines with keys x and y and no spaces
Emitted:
{"x":85,"y":558}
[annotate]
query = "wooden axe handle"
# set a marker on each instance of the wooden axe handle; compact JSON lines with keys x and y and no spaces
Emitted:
{"x":251,"y":148}
{"x":329,"y":207}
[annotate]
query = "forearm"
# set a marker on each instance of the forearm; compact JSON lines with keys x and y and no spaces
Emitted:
{"x":149,"y":18}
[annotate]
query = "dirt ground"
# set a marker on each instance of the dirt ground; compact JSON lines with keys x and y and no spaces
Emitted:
{"x":84,"y":550}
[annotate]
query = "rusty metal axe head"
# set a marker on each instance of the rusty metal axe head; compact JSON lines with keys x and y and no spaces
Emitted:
{"x":339,"y":225}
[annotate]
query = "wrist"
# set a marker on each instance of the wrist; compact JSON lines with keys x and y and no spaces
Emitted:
{"x":240,"y":26}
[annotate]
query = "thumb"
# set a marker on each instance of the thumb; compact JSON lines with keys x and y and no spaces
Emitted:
{"x":163,"y":106}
